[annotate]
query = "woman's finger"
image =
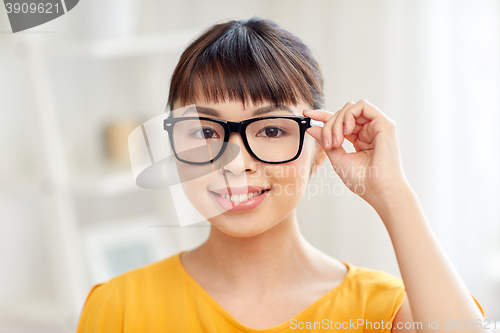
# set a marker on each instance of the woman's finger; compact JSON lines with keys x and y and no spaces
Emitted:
{"x":361,"y":112}
{"x":335,"y":155}
{"x":327,"y":128}
{"x":319,"y":115}
{"x":333,"y":127}
{"x":356,"y":129}
{"x":353,"y":125}
{"x":327,"y":118}
{"x":361,"y":145}
{"x":326,"y":131}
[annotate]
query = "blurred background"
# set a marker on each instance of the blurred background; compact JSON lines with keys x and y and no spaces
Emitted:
{"x":72,"y":89}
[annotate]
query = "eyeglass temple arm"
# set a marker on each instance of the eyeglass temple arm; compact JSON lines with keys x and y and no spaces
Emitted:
{"x":316,"y":123}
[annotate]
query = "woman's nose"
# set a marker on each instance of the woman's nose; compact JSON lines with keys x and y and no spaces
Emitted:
{"x":242,"y":162}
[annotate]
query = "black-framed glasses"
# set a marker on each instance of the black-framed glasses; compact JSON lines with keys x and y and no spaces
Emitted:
{"x":269,"y":139}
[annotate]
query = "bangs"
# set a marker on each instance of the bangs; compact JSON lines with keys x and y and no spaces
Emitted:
{"x":254,"y":61}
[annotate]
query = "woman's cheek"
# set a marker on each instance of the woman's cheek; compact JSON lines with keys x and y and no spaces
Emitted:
{"x":196,"y":190}
{"x":289,"y":182}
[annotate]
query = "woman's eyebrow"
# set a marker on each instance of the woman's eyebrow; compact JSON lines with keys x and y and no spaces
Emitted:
{"x":204,"y":110}
{"x":270,"y":108}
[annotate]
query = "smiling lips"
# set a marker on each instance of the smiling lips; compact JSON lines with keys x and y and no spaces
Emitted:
{"x":240,"y":198}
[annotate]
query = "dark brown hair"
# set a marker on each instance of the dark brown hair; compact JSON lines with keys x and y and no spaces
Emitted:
{"x":245,"y":60}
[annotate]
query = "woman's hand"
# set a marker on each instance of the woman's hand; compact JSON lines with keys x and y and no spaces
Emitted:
{"x":375,"y":168}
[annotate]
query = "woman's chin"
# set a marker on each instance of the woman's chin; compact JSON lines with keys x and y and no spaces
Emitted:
{"x":242,"y":230}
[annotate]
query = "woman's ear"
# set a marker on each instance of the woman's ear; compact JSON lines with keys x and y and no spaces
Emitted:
{"x":320,"y":155}
{"x":319,"y":158}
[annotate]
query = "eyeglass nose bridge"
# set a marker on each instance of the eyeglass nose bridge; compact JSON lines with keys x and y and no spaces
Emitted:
{"x":235,"y":127}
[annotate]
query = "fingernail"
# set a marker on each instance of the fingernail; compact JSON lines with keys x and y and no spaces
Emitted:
{"x":325,"y":142}
{"x":334,"y":140}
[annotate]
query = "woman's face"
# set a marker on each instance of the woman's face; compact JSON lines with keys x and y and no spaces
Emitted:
{"x":263,"y":194}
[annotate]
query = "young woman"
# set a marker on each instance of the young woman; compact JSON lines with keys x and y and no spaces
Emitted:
{"x":256,"y":86}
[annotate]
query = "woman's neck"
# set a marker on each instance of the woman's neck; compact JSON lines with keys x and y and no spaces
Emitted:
{"x":275,"y":257}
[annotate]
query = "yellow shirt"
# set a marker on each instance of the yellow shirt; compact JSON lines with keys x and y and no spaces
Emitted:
{"x":163,"y":297}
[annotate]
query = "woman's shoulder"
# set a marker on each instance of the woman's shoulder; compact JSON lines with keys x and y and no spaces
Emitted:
{"x":364,"y":277}
{"x":134,"y":295}
{"x":381,"y":293}
{"x":139,"y":282}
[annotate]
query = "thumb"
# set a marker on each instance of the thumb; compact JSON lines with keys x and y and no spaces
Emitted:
{"x":335,"y":154}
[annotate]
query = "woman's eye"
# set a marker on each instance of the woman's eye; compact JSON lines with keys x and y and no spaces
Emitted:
{"x":271,"y":132}
{"x":206,"y":133}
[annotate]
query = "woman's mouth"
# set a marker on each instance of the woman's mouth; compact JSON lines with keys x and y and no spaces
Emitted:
{"x":237,"y":198}
{"x":239,"y":201}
